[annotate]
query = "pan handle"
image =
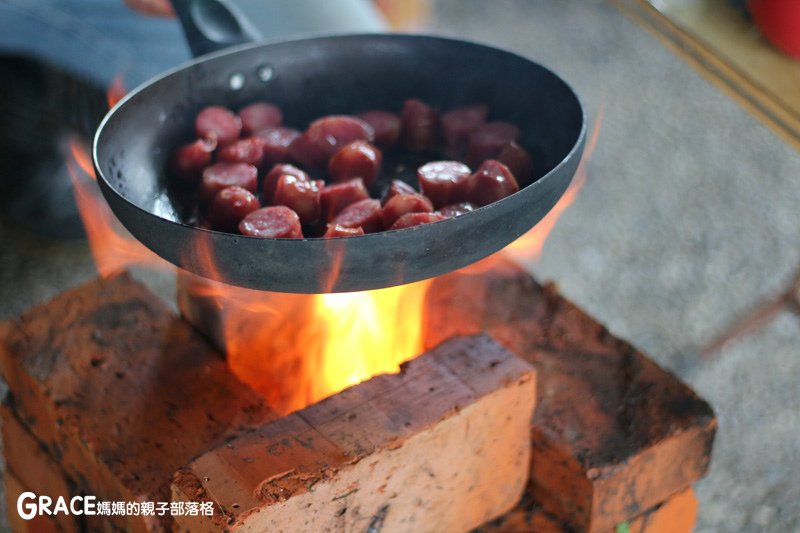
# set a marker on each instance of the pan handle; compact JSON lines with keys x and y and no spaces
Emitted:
{"x":211,"y":25}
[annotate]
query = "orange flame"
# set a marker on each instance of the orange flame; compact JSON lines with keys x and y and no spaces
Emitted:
{"x":113,"y":249}
{"x":115,"y":91}
{"x":529,"y":246}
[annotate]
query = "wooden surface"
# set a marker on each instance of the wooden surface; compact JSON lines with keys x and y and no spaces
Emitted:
{"x":729,"y":51}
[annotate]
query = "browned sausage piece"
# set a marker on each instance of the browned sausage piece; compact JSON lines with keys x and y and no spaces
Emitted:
{"x":487,"y":141}
{"x":364,"y":214}
{"x":275,"y":144}
{"x":249,"y":151}
{"x":420,"y":126}
{"x":385,"y":124}
{"x":459,"y":123}
{"x":491,"y":182}
{"x":215,"y":122}
{"x":397,"y":187}
{"x":278,"y":222}
{"x":271,"y":179}
{"x":258,"y":116}
{"x":359,"y":159}
{"x":189,"y":160}
{"x":415,"y":219}
{"x":229,"y":207}
{"x":334,"y":230}
{"x":401,"y":204}
{"x":299,"y":194}
{"x":518,"y":161}
{"x":221,"y":175}
{"x":326,"y":136}
{"x":334,"y":198}
{"x":444,"y":182}
{"x":456,"y":210}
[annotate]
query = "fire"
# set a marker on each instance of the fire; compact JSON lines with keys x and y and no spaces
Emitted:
{"x":113,"y":249}
{"x":529,"y":246}
{"x":296,"y":349}
{"x":115,"y":91}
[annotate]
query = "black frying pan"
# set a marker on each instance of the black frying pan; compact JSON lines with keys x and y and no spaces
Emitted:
{"x":309,"y":78}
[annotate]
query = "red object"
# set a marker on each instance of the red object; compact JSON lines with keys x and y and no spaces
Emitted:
{"x":402,"y":204}
{"x":359,"y":159}
{"x":444,"y":182}
{"x":189,"y":160}
{"x":299,"y":194}
{"x":385,"y":124}
{"x":272,"y":177}
{"x":221,"y":175}
{"x":397,"y":187}
{"x":326,"y":136}
{"x":336,"y":197}
{"x":459,"y":123}
{"x":275,"y":143}
{"x":492,"y":181}
{"x":518,"y":161}
{"x":334,"y":230}
{"x":364,"y":214}
{"x":416,"y":219}
{"x":420,"y":126}
{"x":779,"y":21}
{"x":487,"y":141}
{"x":277,"y":222}
{"x":258,"y":116}
{"x":249,"y":151}
{"x":456,"y":210}
{"x":215,"y":122}
{"x":229,"y":207}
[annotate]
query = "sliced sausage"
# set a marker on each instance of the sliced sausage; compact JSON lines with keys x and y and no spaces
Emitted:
{"x":189,"y":160}
{"x":491,"y":182}
{"x":415,"y":219}
{"x":275,"y":143}
{"x":278,"y":222}
{"x":397,"y":187}
{"x":402,"y":204}
{"x":518,"y":161}
{"x":336,"y":197}
{"x":229,"y":207}
{"x":444,"y":182}
{"x":334,"y":230}
{"x":419,"y":126}
{"x":249,"y":151}
{"x":487,"y":141}
{"x":359,"y":159}
{"x":385,"y":124}
{"x":221,"y":175}
{"x":299,"y":194}
{"x":271,"y":179}
{"x":459,"y":123}
{"x":220,"y":123}
{"x":326,"y":136}
{"x":456,"y":210}
{"x":364,"y":214}
{"x":258,"y":116}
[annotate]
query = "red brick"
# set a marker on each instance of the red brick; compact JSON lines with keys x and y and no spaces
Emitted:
{"x":441,"y":446}
{"x":613,"y":433}
{"x":122,"y":391}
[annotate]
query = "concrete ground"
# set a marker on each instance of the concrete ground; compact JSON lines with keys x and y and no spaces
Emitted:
{"x":688,"y":220}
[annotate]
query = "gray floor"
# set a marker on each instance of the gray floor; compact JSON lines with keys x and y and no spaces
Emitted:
{"x":688,"y":219}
